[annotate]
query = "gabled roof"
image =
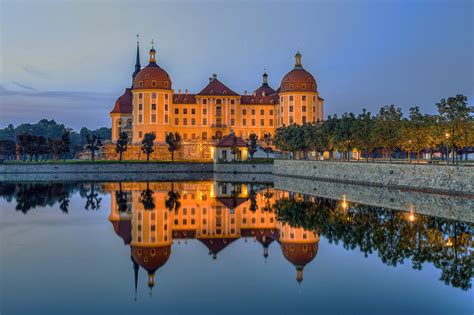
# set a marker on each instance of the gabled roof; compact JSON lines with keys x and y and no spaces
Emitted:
{"x":184,"y":98}
{"x":216,"y":87}
{"x":231,"y":141}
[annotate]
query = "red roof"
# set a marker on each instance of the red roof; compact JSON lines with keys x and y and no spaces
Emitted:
{"x":231,"y":141}
{"x":123,"y":228}
{"x":184,"y":98}
{"x":215,"y":245}
{"x":259,"y":99}
{"x":216,"y":87}
{"x":264,"y":89}
{"x":123,"y":105}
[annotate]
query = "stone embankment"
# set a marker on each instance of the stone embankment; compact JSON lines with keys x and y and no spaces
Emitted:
{"x":456,"y":180}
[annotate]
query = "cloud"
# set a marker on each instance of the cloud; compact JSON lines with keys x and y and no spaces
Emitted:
{"x":34,"y":71}
{"x":24,"y":86}
{"x":74,"y":109}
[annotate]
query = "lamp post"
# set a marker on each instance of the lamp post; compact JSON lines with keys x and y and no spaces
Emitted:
{"x":447,"y":147}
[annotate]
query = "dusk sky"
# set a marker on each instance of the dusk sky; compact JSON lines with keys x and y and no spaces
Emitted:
{"x":70,"y":60}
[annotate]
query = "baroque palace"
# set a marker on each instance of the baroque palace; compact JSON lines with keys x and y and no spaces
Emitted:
{"x":150,"y":217}
{"x":151,"y":105}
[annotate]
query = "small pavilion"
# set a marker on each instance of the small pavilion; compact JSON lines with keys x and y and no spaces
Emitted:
{"x":230,"y":148}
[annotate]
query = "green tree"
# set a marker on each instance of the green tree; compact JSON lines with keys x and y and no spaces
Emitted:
{"x":365,"y":133}
{"x":174,"y":143}
{"x":455,"y":114}
{"x":122,"y":143}
{"x":94,"y":143}
{"x":267,"y":139}
{"x":148,"y":146}
{"x":388,"y":126}
{"x":345,"y":135}
{"x":66,"y":143}
{"x":252,"y":144}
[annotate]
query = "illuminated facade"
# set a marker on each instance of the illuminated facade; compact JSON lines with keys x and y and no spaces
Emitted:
{"x":152,"y":106}
{"x":150,"y":217}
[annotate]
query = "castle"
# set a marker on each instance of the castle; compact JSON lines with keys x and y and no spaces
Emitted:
{"x":152,"y":106}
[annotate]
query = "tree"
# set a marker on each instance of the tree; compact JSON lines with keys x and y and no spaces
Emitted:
{"x":455,"y":115}
{"x":7,"y":149}
{"x":148,"y":144}
{"x":66,"y":143}
{"x":414,"y":133}
{"x":344,"y":133}
{"x":122,"y":143}
{"x":365,"y":133}
{"x":174,"y":143}
{"x":267,"y":139}
{"x":252,"y":144}
{"x":94,"y":143}
{"x":388,"y":122}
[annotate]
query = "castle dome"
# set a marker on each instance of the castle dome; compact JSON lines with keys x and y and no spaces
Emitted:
{"x":151,"y":258}
{"x":299,"y":255}
{"x":298,"y":79}
{"x":123,"y":105}
{"x":152,"y":76}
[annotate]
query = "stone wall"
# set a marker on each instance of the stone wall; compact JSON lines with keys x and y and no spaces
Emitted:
{"x":241,"y":168}
{"x":424,"y":177}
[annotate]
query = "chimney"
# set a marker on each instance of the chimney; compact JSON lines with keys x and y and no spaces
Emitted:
{"x":214,"y":76}
{"x":186,"y":91}
{"x":179,"y":91}
{"x":245,"y":92}
{"x":210,"y":79}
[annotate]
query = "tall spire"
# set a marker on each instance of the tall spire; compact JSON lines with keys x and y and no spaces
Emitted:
{"x":137,"y":62}
{"x":135,"y":270}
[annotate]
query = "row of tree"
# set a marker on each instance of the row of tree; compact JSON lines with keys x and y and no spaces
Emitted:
{"x":451,"y":130}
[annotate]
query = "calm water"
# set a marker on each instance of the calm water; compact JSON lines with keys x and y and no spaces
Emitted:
{"x":221,"y":248}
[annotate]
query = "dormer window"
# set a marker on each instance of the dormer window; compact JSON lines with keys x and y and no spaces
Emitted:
{"x":251,"y":102}
{"x":303,"y":86}
{"x":153,"y":83}
{"x":225,"y":92}
{"x":147,"y":76}
{"x":292,"y":86}
{"x":261,"y":101}
{"x":271,"y":101}
{"x":140,"y":83}
{"x":176,"y":100}
{"x":185,"y":100}
{"x":309,"y":79}
{"x":211,"y":92}
{"x":166,"y":84}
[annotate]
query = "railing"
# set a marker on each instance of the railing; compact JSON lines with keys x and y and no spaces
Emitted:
{"x":218,"y":126}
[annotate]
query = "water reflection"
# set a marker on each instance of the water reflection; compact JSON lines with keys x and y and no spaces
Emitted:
{"x":150,"y":216}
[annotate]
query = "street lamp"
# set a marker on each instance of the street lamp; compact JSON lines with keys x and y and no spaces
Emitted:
{"x":447,"y":147}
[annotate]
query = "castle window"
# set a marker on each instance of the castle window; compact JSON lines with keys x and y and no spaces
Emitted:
{"x":147,"y":76}
{"x":185,"y":121}
{"x":185,"y":111}
{"x":153,"y":228}
{"x":119,"y":122}
{"x":185,"y":136}
{"x":204,"y":136}
{"x":271,"y":101}
{"x":193,"y":111}
{"x":193,"y":121}
{"x":253,"y":122}
{"x":232,"y":102}
{"x":153,"y":83}
{"x":244,"y":122}
{"x":176,"y":121}
{"x":271,"y":122}
{"x":253,"y":111}
{"x":211,"y":92}
{"x":218,"y":111}
{"x":153,"y":106}
{"x":291,"y":98}
{"x":153,"y":252}
{"x":176,"y":111}
{"x":185,"y":100}
{"x":232,"y":111}
{"x":218,"y":101}
{"x":303,"y":109}
{"x":262,"y":112}
{"x":303,"y":98}
{"x":166,"y":84}
{"x":244,"y":111}
{"x":153,"y":95}
{"x":166,"y":119}
{"x":140,"y":118}
{"x":303,"y":119}
{"x":153,"y":118}
{"x":262,"y":122}
{"x":261,"y":101}
{"x":166,"y":107}
{"x":309,"y":79}
{"x":232,"y":122}
{"x":204,"y":121}
{"x":204,"y":101}
{"x":281,"y":99}
{"x":166,"y":96}
{"x":292,"y":86}
{"x":140,"y":83}
{"x":291,"y":119}
{"x":140,"y":96}
{"x":204,"y":111}
{"x":291,"y":109}
{"x":140,"y":106}
{"x":303,"y":86}
{"x":271,"y":112}
{"x":225,"y":92}
{"x":140,"y":134}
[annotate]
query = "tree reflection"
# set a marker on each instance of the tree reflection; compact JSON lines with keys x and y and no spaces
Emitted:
{"x":92,"y":198}
{"x":447,"y":244}
{"x":172,"y":201}
{"x":146,"y":198}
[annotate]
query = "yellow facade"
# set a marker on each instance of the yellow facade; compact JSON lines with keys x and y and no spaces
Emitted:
{"x":216,"y":110}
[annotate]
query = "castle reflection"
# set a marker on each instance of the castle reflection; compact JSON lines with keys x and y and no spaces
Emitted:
{"x":151,"y":216}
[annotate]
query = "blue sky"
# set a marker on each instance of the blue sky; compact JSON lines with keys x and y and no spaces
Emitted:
{"x":70,"y":60}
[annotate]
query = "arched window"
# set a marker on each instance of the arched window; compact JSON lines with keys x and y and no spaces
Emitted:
{"x":147,"y":76}
{"x":166,"y":84}
{"x":153,"y":83}
{"x":140,"y":83}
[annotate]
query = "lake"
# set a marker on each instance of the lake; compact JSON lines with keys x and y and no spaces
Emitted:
{"x":218,"y":247}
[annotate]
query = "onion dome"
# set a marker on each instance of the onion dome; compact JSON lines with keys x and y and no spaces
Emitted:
{"x":152,"y":76}
{"x":298,"y":79}
{"x":151,"y":258}
{"x":299,"y":254}
{"x":264,"y":89}
{"x":123,"y":105}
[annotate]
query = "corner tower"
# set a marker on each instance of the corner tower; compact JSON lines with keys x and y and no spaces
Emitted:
{"x":299,"y":98}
